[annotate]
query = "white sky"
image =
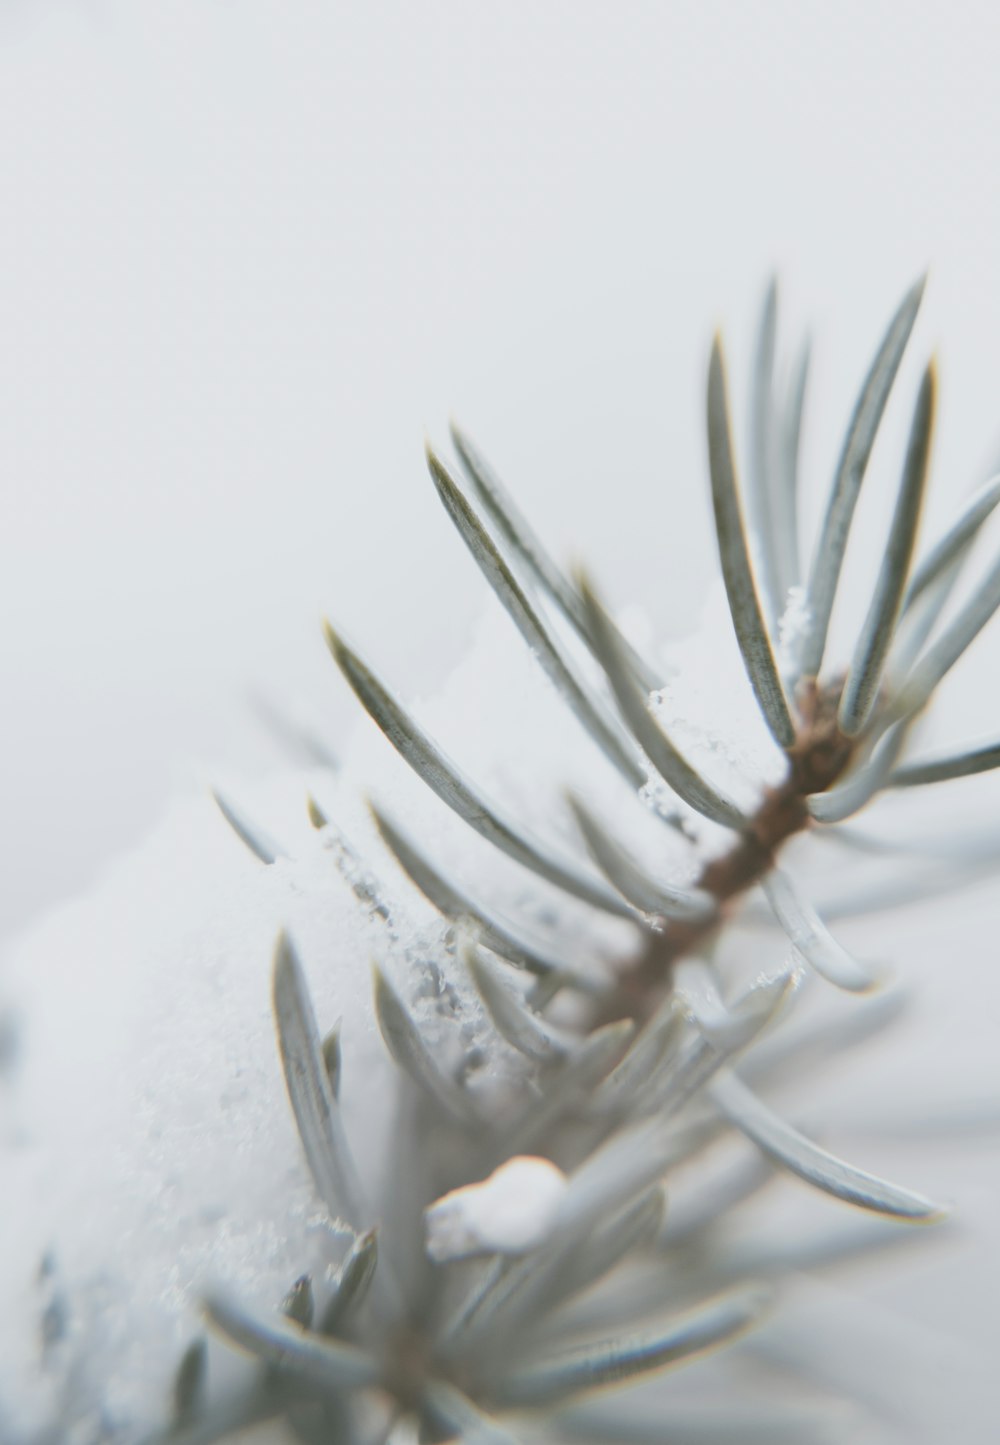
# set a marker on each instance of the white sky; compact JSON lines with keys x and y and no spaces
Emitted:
{"x":250,"y":252}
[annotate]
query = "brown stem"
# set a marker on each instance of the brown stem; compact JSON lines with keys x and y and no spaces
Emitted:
{"x":816,"y":760}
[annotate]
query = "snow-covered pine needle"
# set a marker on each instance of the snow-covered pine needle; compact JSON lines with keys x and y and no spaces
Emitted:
{"x":453,"y":788}
{"x":811,"y":938}
{"x":980,"y":759}
{"x":851,"y":468}
{"x":623,"y":1089}
{"x":531,"y":552}
{"x":786,"y":486}
{"x":409,"y":1048}
{"x":506,"y":940}
{"x":190,"y":1383}
{"x":942,"y":655}
{"x":672,"y":766}
{"x":734,"y":556}
{"x":650,"y":895}
{"x":956,"y":541}
{"x":864,"y":674}
{"x":606,"y":1362}
{"x":313,"y":1101}
{"x":786,"y":1146}
{"x":514,"y":1020}
{"x":934,"y":581}
{"x":260,"y":844}
{"x":850,"y":796}
{"x":514,"y":1294}
{"x":328,"y":1366}
{"x":568,"y":1087}
{"x":353,"y":1284}
{"x":765,"y":513}
{"x":541,"y":639}
{"x":451,"y":1408}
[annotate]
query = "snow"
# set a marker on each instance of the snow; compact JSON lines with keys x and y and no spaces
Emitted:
{"x":793,"y":627}
{"x":509,"y":1213}
{"x":148,"y":1142}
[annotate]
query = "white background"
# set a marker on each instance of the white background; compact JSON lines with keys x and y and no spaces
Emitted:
{"x":250,"y":252}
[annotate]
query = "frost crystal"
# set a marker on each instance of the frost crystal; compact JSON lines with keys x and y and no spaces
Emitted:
{"x":793,"y":628}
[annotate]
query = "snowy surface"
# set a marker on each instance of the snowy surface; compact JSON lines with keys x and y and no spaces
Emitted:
{"x":150,"y":1149}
